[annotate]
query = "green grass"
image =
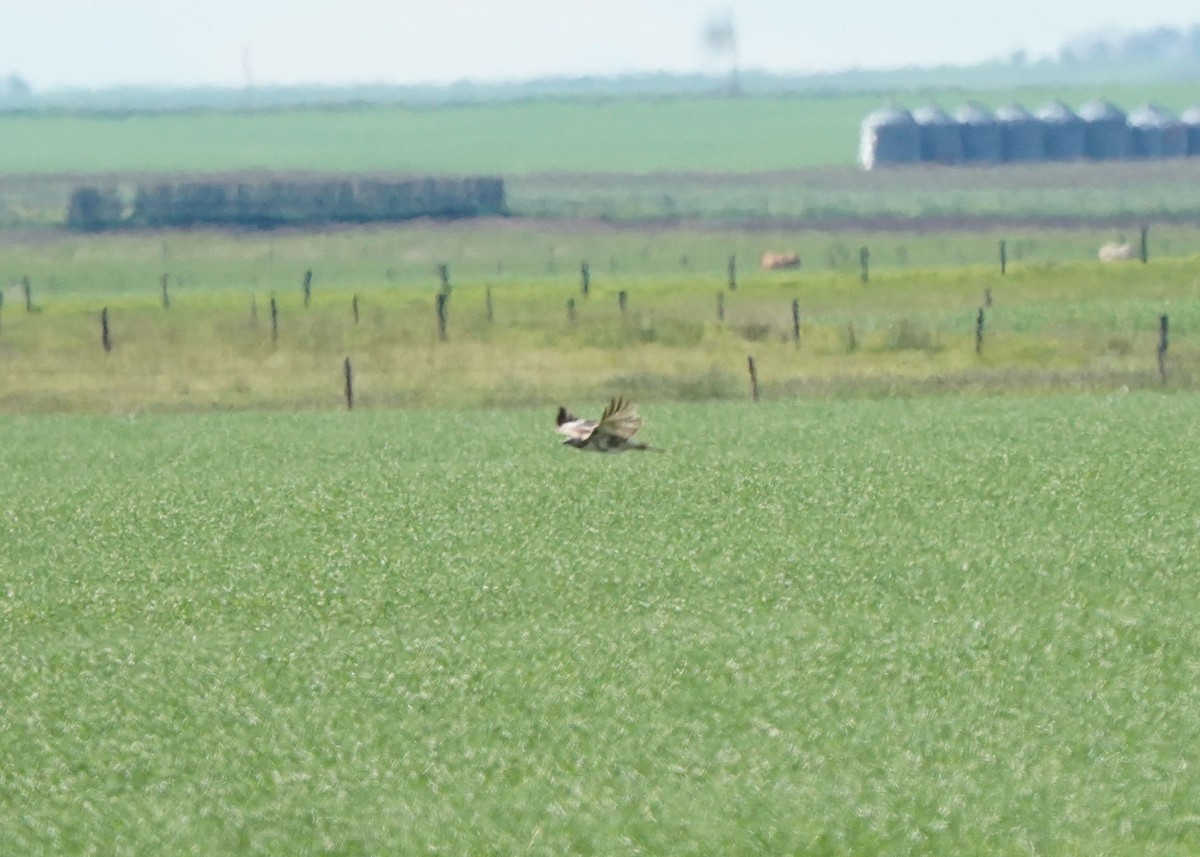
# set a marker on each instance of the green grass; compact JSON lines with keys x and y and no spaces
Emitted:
{"x":506,"y":251}
{"x":782,"y":159}
{"x":1073,"y":324}
{"x":523,"y":137}
{"x":1087,"y":194}
{"x":634,"y":135}
{"x":868,"y":627}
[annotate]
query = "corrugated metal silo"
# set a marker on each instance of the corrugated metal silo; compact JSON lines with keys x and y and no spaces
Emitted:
{"x":1063,"y":132}
{"x":1157,"y":133}
{"x":889,"y":136}
{"x":1105,"y":131}
{"x":941,"y":137}
{"x":981,"y":143}
{"x":1022,"y":138}
{"x":1191,"y":119}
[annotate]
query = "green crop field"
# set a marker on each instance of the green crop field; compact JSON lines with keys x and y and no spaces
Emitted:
{"x":740,"y":160}
{"x":539,"y":136}
{"x":688,"y":134}
{"x":930,"y":594}
{"x":868,"y":627}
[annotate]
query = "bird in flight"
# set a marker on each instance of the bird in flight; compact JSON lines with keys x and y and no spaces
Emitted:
{"x":613,"y":432}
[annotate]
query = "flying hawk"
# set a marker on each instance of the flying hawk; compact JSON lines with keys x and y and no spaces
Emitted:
{"x":612,"y":433}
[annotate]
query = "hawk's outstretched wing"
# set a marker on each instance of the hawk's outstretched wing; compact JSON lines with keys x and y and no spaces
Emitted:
{"x":619,"y":421}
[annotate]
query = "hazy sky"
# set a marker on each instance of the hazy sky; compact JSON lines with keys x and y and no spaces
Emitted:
{"x":77,"y":43}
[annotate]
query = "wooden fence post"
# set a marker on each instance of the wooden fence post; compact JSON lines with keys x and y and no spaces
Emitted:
{"x":442,"y":297}
{"x":25,"y":284}
{"x":732,"y":271}
{"x":796,"y":320}
{"x":864,"y":262}
{"x":487,"y":303}
{"x":987,"y":298}
{"x":349,"y":373}
{"x":571,"y":310}
{"x":354,"y":308}
{"x":585,"y":278}
{"x":979,"y":332}
{"x":1144,"y":245}
{"x":307,"y":286}
{"x":753,"y":377}
{"x":274,"y":321}
{"x":444,"y":275}
{"x":622,"y":300}
{"x":105,"y":335}
{"x":1003,"y":257}
{"x":1162,"y":348}
{"x":720,"y":307}
{"x":166,"y":297}
{"x":254,"y":310}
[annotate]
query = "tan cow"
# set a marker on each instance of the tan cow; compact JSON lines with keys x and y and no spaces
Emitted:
{"x":775,"y":261}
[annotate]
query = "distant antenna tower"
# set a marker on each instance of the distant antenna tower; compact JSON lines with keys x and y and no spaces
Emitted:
{"x":720,"y":37}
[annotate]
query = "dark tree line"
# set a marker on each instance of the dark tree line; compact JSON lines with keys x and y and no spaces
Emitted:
{"x":1159,"y":43}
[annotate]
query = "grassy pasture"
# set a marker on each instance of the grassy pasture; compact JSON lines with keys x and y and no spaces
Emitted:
{"x":504,"y":251}
{"x":940,"y":625}
{"x":1073,"y":325}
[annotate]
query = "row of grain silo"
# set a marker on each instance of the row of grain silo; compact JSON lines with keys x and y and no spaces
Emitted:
{"x":1011,"y":134}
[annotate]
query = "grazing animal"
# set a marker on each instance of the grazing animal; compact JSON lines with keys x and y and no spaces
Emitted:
{"x":1117,"y":252}
{"x":774,"y":261}
{"x":613,"y":432}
